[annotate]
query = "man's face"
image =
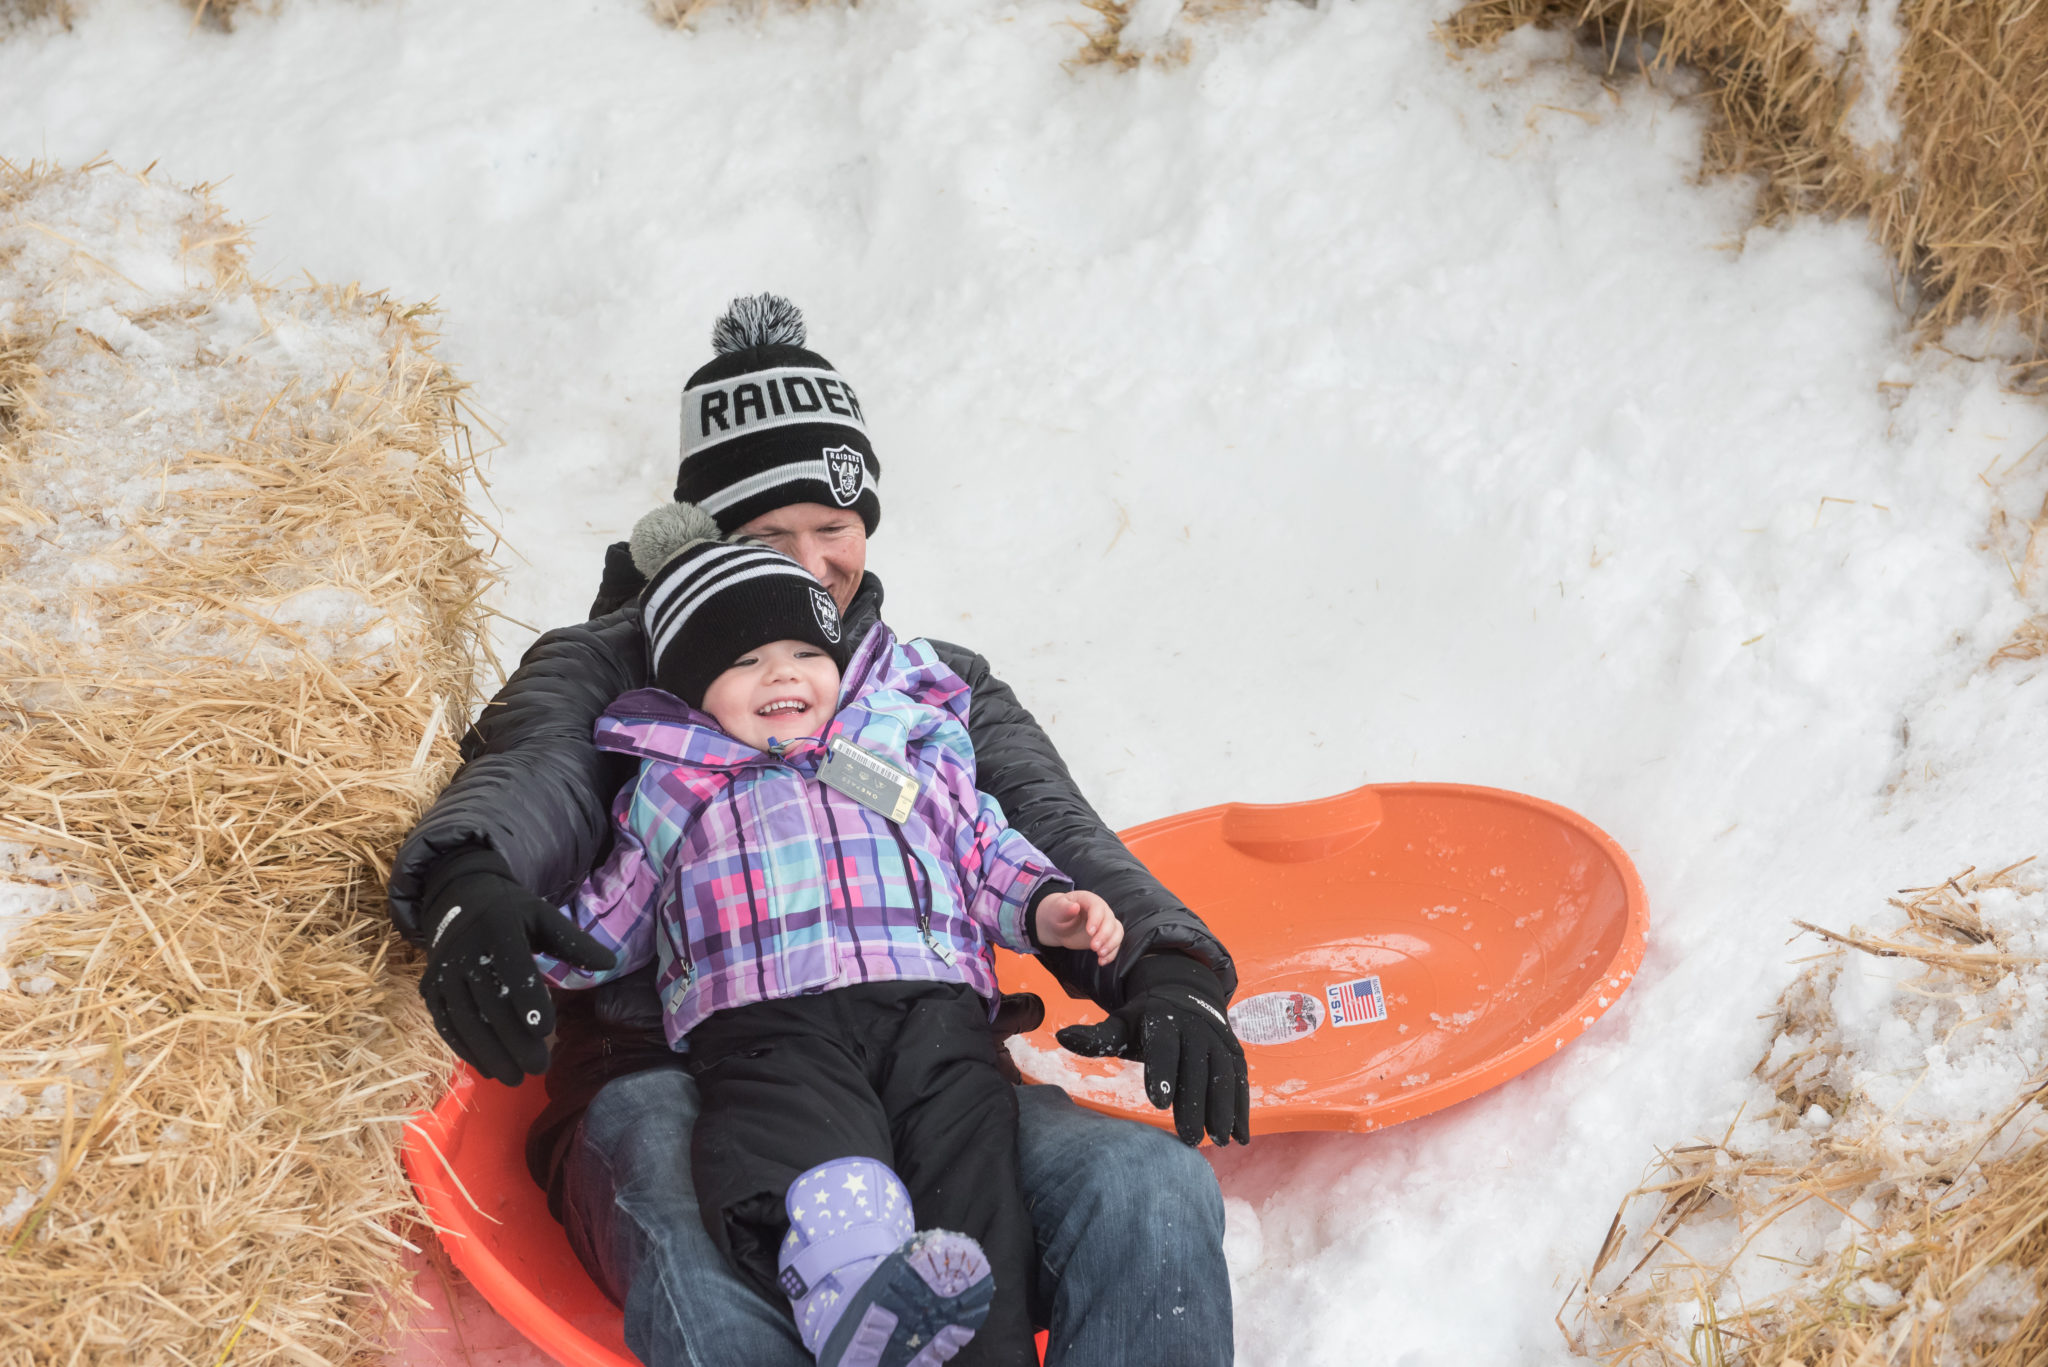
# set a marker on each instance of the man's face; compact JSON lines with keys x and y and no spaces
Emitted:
{"x":832,"y":543}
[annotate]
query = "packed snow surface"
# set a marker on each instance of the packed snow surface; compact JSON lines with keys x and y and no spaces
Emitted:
{"x":1327,"y":409}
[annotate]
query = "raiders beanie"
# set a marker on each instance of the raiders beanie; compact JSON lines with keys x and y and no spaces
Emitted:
{"x":709,"y":601}
{"x":767,"y":424}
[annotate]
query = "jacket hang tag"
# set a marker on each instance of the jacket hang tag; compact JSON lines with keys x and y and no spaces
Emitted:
{"x":874,"y":783}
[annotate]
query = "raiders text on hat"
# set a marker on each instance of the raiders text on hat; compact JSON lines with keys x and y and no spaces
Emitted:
{"x":761,"y":400}
{"x":768,"y":424}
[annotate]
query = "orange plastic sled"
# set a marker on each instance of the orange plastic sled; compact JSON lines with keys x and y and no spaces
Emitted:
{"x":467,"y":1160}
{"x":1400,"y":947}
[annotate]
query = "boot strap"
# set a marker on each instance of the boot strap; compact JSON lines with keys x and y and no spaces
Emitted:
{"x":871,"y":1239}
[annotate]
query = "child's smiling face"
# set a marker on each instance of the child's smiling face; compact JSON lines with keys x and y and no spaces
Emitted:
{"x":783,"y":690}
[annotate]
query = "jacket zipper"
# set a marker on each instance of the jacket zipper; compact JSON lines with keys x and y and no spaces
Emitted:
{"x":913,"y":872}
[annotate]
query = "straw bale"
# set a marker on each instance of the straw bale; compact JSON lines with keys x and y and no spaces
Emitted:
{"x":1863,"y":1238}
{"x":2018,"y":535}
{"x":1124,"y":33}
{"x":223,"y":15}
{"x":218,"y":15}
{"x":19,"y":14}
{"x":683,"y":13}
{"x":1130,"y":33}
{"x":238,"y":629}
{"x":1102,"y":43}
{"x":21,"y":381}
{"x":1932,"y":121}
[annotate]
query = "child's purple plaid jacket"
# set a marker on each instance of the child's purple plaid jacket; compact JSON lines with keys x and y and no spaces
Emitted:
{"x":746,"y":879}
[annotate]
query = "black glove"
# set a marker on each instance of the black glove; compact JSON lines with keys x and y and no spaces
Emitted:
{"x":482,"y":987}
{"x":1173,"y":1018}
{"x":1017,"y":1013}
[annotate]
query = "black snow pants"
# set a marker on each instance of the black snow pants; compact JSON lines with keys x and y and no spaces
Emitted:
{"x":902,"y":1072}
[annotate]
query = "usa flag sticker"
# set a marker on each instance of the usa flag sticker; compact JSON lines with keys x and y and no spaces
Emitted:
{"x":1358,"y":1002}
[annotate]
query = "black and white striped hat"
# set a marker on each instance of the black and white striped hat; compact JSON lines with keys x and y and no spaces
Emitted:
{"x":708,"y":602}
{"x":767,"y":424}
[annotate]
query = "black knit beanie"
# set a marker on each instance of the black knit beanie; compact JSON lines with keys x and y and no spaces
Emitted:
{"x":768,"y":424}
{"x":709,"y":601}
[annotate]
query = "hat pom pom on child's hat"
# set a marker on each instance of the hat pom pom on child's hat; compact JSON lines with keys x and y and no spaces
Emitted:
{"x":658,"y":536}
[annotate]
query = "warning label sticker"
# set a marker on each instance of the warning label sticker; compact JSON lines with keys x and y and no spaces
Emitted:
{"x":1358,"y":1002}
{"x":1276,"y":1017}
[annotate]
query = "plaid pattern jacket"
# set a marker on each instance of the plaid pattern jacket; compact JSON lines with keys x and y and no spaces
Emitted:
{"x":745,"y":879}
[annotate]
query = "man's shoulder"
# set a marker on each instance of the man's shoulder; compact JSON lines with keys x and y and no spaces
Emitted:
{"x":913,"y":669}
{"x":615,"y":634}
{"x":970,"y":665}
{"x":914,"y":652}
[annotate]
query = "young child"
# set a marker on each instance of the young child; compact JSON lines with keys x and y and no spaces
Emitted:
{"x":805,"y":856}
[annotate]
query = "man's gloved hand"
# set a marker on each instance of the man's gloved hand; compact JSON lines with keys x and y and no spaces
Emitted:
{"x":1017,"y":1013}
{"x":482,"y":987}
{"x":1174,"y":1019}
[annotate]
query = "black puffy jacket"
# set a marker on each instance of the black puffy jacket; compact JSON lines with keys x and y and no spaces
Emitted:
{"x":534,"y":788}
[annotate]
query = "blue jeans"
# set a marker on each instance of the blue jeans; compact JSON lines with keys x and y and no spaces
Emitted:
{"x":1129,"y":1224}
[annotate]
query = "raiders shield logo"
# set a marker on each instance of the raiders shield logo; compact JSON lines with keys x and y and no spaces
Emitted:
{"x":846,"y":473}
{"x":827,"y":613}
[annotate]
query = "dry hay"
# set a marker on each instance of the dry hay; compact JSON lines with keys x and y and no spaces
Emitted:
{"x":1950,"y":162}
{"x":223,"y":15}
{"x":218,"y":15}
{"x":1923,"y":1244}
{"x":20,"y":14}
{"x":1124,"y":34}
{"x":1110,"y":41}
{"x":1132,"y":33}
{"x":683,"y":13}
{"x":2019,"y":535}
{"x":237,"y":600}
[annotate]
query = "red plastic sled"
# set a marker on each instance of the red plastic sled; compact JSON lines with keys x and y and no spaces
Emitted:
{"x":1400,"y":947}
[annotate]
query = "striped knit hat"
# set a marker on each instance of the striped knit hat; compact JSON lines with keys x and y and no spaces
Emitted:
{"x":767,"y":424}
{"x":709,"y":601}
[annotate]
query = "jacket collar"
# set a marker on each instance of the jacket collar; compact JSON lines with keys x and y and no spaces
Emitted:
{"x":865,"y":610}
{"x":655,"y":724}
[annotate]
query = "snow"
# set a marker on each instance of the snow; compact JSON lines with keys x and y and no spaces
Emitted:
{"x":1995,"y":1304}
{"x":1325,"y":409}
{"x":30,"y":883}
{"x":1892,"y":1081}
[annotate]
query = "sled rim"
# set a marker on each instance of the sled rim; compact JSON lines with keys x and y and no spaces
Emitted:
{"x":1343,"y":828}
{"x":431,"y":1153}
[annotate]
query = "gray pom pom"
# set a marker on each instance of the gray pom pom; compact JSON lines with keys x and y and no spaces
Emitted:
{"x":659,"y":535}
{"x":757,"y":320}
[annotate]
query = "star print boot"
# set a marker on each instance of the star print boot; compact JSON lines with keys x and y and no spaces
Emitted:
{"x":868,"y":1290}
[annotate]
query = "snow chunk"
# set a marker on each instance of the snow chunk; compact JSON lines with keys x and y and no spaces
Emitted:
{"x":1995,"y":1304}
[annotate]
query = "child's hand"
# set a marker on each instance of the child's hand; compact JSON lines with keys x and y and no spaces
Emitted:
{"x":1080,"y":920}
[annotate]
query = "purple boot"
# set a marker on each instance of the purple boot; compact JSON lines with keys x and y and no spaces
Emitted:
{"x":868,"y":1290}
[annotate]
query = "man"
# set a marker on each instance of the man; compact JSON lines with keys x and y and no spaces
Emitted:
{"x":1128,"y":1223}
